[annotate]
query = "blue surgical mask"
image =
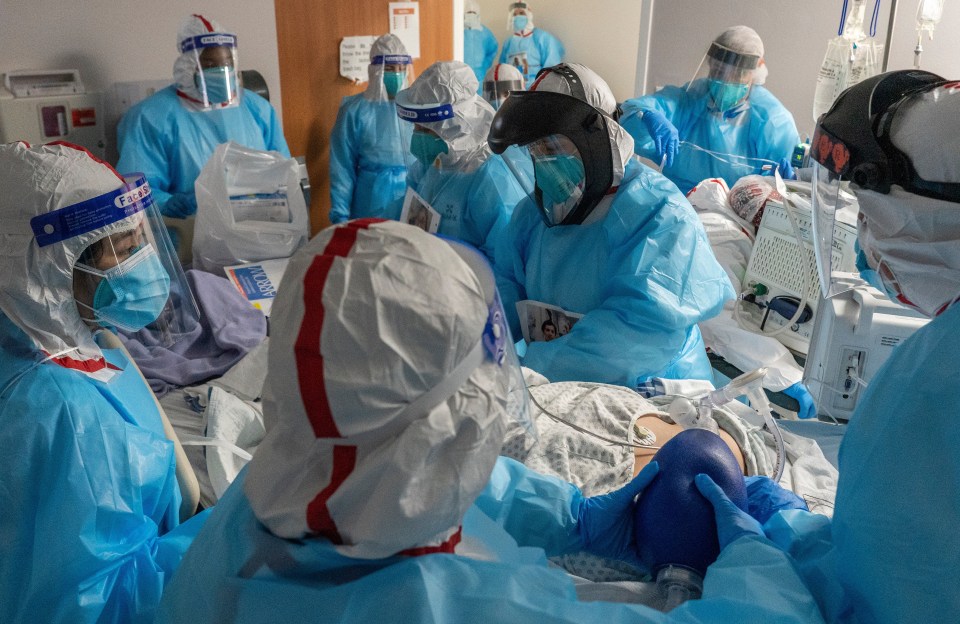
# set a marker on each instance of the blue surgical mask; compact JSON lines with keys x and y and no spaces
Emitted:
{"x":132,"y":294}
{"x":558,"y":177}
{"x":221,"y":84}
{"x":726,"y":95}
{"x":519,"y":22}
{"x":393,"y":82}
{"x":870,"y":276}
{"x":426,"y":147}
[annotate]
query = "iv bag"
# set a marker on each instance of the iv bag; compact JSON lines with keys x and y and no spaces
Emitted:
{"x":844,"y":65}
{"x":929,"y":13}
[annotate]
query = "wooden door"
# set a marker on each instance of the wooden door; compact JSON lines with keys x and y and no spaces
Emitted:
{"x":308,"y":42}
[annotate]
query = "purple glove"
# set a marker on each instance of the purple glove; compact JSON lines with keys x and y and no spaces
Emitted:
{"x":605,"y":522}
{"x":765,"y":497}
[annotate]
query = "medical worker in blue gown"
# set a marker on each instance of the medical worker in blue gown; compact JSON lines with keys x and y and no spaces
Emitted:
{"x":529,"y":48}
{"x":378,"y":495}
{"x":889,"y":553}
{"x":171,"y":135}
{"x":455,"y":172}
{"x":479,"y":45}
{"x":95,"y":492}
{"x":602,"y":236}
{"x":369,"y":145}
{"x":722,"y":124}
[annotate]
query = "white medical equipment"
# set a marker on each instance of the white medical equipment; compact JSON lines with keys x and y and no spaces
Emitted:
{"x":51,"y":105}
{"x":776,"y":269}
{"x":929,"y":13}
{"x":853,"y":335}
{"x":850,"y":57}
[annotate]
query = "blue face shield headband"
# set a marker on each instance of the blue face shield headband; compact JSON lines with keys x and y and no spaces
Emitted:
{"x":131,"y":294}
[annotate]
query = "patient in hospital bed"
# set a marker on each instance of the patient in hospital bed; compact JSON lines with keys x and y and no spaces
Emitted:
{"x":623,"y":420}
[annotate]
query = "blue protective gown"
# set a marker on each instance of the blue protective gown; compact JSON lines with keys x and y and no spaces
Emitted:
{"x":760,"y":128}
{"x":237,"y":571}
{"x":89,"y":501}
{"x":530,"y":53}
{"x":171,"y":144}
{"x":368,"y":171}
{"x":479,"y":51}
{"x":643,"y":276}
{"x":474,"y":207}
{"x":892,"y":549}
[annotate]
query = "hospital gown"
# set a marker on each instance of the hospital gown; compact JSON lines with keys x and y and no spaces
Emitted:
{"x":890,"y":553}
{"x":368,"y":171}
{"x":761,"y":128}
{"x":531,"y":52}
{"x":170,"y":144}
{"x":475,"y":206}
{"x":89,"y":501}
{"x":238,"y":571}
{"x":479,"y":50}
{"x":643,"y":276}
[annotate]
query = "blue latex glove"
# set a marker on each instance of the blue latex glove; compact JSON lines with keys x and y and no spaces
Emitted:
{"x":664,"y":134}
{"x":732,"y":522}
{"x":798,"y":391}
{"x":765,"y":497}
{"x":180,"y":205}
{"x":605,"y":522}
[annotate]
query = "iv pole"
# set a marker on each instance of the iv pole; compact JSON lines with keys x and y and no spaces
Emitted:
{"x":890,"y":23}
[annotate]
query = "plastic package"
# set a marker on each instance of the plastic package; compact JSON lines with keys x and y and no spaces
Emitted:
{"x":249,"y":208}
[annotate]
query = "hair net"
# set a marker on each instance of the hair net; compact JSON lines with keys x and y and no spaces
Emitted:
{"x":471,"y":15}
{"x":455,"y":84}
{"x":186,"y":66}
{"x":36,"y":283}
{"x":503,"y":72}
{"x":385,"y":45}
{"x":595,"y":91}
{"x":382,"y":428}
{"x":745,"y":40}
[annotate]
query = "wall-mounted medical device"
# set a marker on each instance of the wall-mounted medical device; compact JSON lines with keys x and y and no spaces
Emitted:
{"x":51,"y":105}
{"x":854,"y":334}
{"x":779,"y":267}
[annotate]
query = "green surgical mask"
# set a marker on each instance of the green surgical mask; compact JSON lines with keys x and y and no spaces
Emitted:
{"x":726,"y":95}
{"x":558,"y":176}
{"x":426,"y":147}
{"x":393,"y":82}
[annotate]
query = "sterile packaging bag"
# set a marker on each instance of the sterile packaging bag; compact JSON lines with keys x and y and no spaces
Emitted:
{"x":249,"y":208}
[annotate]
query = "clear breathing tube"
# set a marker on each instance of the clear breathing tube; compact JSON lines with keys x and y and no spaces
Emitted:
{"x":750,"y":385}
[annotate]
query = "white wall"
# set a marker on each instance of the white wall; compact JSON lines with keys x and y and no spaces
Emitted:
{"x":603,"y":34}
{"x":111,"y":41}
{"x":795,"y":37}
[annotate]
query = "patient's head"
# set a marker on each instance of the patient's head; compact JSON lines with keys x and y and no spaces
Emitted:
{"x":391,"y":382}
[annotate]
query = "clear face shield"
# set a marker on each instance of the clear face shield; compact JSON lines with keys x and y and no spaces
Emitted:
{"x":724,"y":78}
{"x":519,"y":17}
{"x":550,"y":170}
{"x":131,"y":279}
{"x":390,"y":73}
{"x":831,"y":195}
{"x":216,"y":77}
{"x":499,"y":356}
{"x":496,"y":91}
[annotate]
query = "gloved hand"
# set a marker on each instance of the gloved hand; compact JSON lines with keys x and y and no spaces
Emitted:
{"x":765,"y":497}
{"x":732,"y":522}
{"x":180,"y":205}
{"x":666,"y":140}
{"x":798,"y":391}
{"x":785,"y":168}
{"x":605,"y":522}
